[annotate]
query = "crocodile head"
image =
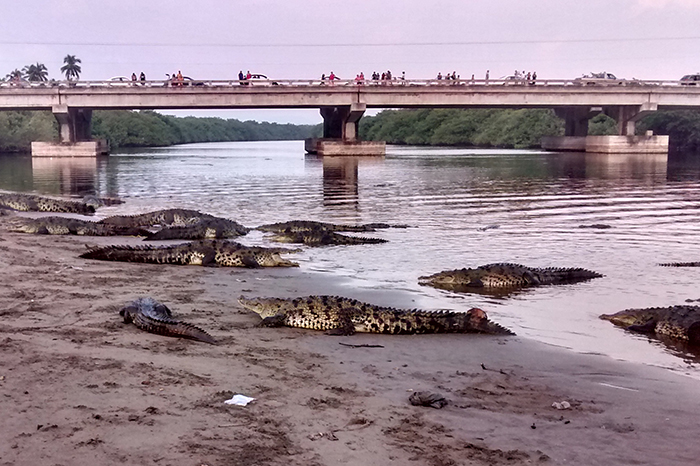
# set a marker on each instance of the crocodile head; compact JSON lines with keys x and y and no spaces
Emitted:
{"x":265,"y":307}
{"x":638,"y":320}
{"x":480,"y":322}
{"x":462,"y":277}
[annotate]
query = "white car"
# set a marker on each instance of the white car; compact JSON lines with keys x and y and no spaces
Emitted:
{"x":120,"y":81}
{"x":600,"y":79}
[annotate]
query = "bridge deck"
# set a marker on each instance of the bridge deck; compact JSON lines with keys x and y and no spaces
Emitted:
{"x":374,"y":94}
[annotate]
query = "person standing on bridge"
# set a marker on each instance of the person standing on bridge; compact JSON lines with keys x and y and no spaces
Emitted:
{"x":332,"y":77}
{"x":180,"y":78}
{"x":143,"y":78}
{"x":487,"y":76}
{"x":133,"y":78}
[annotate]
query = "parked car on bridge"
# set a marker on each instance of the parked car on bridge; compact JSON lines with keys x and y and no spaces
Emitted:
{"x":259,"y":79}
{"x":600,"y":79}
{"x":186,"y":81}
{"x":691,"y":79}
{"x":120,"y":81}
{"x":512,"y":80}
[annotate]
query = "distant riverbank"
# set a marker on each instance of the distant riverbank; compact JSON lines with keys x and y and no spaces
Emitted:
{"x":512,"y":128}
{"x":504,"y":128}
{"x":144,"y":129}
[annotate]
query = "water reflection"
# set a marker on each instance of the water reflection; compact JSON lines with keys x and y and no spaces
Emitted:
{"x":66,"y":175}
{"x":626,"y":166}
{"x":341,"y":179}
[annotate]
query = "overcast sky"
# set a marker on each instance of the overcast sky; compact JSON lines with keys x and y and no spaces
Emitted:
{"x":290,"y":39}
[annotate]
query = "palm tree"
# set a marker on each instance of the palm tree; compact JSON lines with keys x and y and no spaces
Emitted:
{"x":71,"y":68}
{"x":15,"y":75}
{"x":36,"y":73}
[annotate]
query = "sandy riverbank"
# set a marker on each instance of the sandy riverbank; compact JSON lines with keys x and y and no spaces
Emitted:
{"x":79,"y":387}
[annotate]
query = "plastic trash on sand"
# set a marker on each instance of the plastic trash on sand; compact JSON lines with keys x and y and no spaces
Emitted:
{"x":562,"y":405}
{"x":239,"y":400}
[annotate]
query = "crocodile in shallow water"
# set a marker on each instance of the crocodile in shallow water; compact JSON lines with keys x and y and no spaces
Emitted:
{"x":675,"y":322}
{"x":345,"y":316}
{"x":71,"y":226}
{"x":152,"y":316}
{"x":32,"y":203}
{"x":204,"y":252}
{"x":206,"y":228}
{"x":309,"y":225}
{"x":680,"y":264}
{"x":165,"y":217}
{"x":322,"y":237}
{"x":505,"y":276}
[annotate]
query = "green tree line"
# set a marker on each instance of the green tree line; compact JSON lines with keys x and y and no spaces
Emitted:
{"x":454,"y":127}
{"x":124,"y":128}
{"x":521,"y":128}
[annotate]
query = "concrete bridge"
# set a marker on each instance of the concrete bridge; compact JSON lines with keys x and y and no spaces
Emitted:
{"x":343,"y":103}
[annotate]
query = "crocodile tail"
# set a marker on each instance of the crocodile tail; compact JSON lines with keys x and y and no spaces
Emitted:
{"x":171,"y":328}
{"x":563,"y":275}
{"x":191,"y":232}
{"x":126,"y":254}
{"x":344,"y":239}
{"x":680,"y":264}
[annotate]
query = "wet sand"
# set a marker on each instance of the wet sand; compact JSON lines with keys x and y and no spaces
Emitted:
{"x":80,"y":387}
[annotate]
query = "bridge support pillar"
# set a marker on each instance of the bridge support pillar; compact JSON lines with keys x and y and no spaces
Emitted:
{"x":340,"y":133}
{"x":627,"y":116}
{"x":75,"y":135}
{"x":576,"y":136}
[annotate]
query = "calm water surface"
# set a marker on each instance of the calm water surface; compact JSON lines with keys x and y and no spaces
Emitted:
{"x":469,"y":207}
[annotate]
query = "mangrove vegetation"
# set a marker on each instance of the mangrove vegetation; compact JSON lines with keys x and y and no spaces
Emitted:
{"x":446,"y":127}
{"x":123,"y":128}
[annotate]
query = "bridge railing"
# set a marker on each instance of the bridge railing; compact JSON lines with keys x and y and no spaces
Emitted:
{"x":344,"y":83}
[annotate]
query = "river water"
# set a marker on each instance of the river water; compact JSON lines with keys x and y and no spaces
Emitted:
{"x":467,"y":207}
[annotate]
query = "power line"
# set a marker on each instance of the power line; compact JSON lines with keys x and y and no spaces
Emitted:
{"x":366,"y":44}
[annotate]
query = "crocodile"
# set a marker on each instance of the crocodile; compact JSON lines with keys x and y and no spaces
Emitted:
{"x":204,"y":252}
{"x":680,"y":264}
{"x":322,"y":237}
{"x":308,"y":225}
{"x":675,"y":322}
{"x":155,"y":317}
{"x":345,"y":316}
{"x":165,"y":217}
{"x":206,"y":228}
{"x":503,"y":276}
{"x":30,"y":202}
{"x":71,"y":226}
{"x":96,"y":202}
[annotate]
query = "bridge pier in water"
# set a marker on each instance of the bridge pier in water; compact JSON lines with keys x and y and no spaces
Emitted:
{"x":576,"y":136}
{"x":75,"y":135}
{"x":340,"y":133}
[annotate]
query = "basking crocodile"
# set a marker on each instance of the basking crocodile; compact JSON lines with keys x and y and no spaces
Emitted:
{"x":30,"y":202}
{"x":206,"y":228}
{"x":680,"y":264}
{"x":675,"y":322}
{"x":152,"y":316}
{"x":322,"y":237}
{"x":308,"y":225}
{"x":96,"y":202}
{"x":204,"y":252}
{"x":345,"y":316}
{"x":505,"y":276}
{"x":165,"y":217}
{"x":71,"y":226}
